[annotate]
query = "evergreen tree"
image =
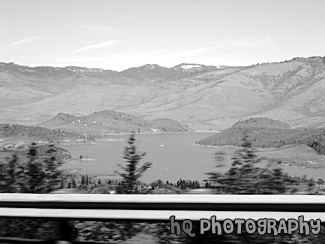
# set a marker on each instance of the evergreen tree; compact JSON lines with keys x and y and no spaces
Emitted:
{"x":31,"y":173}
{"x":245,"y":177}
{"x":87,"y":180}
{"x":206,"y":185}
{"x":52,"y":175}
{"x":74,"y":184}
{"x":8,"y":175}
{"x":83,"y":180}
{"x":34,"y":171}
{"x":131,"y":172}
{"x":62,"y":184}
{"x":12,"y":171}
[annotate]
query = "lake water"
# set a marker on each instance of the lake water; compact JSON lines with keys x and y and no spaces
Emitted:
{"x":173,"y":156}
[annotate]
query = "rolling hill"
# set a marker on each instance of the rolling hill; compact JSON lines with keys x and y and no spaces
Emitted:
{"x":109,"y":121}
{"x":203,"y":97}
{"x":268,"y":133}
{"x":14,"y":132}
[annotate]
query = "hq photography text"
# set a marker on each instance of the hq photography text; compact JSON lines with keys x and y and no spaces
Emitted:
{"x":239,"y":226}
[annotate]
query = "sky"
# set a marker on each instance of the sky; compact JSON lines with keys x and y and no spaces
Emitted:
{"x":119,"y":34}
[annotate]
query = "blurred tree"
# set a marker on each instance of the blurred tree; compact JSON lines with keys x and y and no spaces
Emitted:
{"x":87,"y":180}
{"x":32,"y":173}
{"x":74,"y":184}
{"x":8,"y":175}
{"x":245,"y":177}
{"x":62,"y":184}
{"x":83,"y":180}
{"x":35,"y":170}
{"x":131,"y":172}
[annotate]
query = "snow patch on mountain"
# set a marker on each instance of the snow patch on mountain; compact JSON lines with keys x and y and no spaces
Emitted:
{"x":150,"y":66}
{"x":190,"y":66}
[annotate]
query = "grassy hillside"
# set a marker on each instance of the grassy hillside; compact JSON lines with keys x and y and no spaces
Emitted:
{"x":35,"y":133}
{"x":204,"y":97}
{"x":108,"y":121}
{"x":265,"y":133}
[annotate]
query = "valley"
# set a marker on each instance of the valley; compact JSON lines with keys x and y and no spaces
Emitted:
{"x":279,"y":106}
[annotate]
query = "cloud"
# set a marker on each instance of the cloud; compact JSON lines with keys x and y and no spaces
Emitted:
{"x":98,"y":28}
{"x":252,"y":42}
{"x":95,"y":46}
{"x":23,"y":41}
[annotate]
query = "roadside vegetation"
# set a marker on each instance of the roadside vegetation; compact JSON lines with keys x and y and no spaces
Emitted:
{"x":36,"y":169}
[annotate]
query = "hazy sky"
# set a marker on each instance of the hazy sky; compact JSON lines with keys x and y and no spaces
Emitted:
{"x":118,"y":34}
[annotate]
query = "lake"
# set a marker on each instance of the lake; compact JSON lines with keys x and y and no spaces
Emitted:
{"x":173,"y":156}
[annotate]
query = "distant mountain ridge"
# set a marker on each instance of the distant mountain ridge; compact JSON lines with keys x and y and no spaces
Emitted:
{"x":109,"y":121}
{"x":154,"y":69}
{"x":203,"y":97}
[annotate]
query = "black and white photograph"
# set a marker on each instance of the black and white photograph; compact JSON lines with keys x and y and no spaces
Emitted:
{"x":162,"y":121}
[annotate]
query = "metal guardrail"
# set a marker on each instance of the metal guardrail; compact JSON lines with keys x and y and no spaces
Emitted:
{"x":159,"y":208}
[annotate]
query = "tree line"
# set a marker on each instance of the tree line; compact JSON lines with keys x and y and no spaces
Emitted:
{"x":37,"y":170}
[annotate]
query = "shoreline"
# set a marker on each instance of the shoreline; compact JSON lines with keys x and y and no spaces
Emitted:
{"x":113,"y":139}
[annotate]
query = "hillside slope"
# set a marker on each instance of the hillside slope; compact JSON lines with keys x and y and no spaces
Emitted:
{"x":204,"y":97}
{"x":108,"y":121}
{"x":36,"y":133}
{"x":264,"y":133}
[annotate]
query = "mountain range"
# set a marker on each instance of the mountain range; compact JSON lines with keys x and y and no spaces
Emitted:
{"x":203,"y":97}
